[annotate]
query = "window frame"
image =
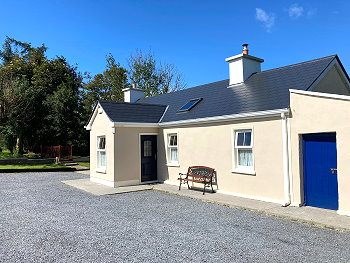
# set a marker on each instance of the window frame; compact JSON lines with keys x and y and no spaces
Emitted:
{"x":169,"y":147}
{"x":196,"y":101}
{"x":99,"y":168}
{"x":241,"y":168}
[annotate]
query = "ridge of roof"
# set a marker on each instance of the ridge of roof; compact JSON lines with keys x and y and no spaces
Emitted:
{"x":299,"y":64}
{"x":265,"y":71}
{"x":132,"y":104}
{"x":181,"y":90}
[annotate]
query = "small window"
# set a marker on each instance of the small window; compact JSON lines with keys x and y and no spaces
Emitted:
{"x":147,"y":148}
{"x":172,"y":149}
{"x":189,"y":105}
{"x":244,"y":149}
{"x":101,"y":152}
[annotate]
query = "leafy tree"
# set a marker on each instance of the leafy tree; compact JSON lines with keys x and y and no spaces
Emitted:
{"x":148,"y":74}
{"x":14,"y":49}
{"x":17,"y":102}
{"x":16,"y":93}
{"x":58,"y":118}
{"x":39,"y":98}
{"x":106,"y":86}
{"x":153,"y":77}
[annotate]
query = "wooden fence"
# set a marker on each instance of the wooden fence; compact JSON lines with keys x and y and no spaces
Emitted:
{"x":62,"y":152}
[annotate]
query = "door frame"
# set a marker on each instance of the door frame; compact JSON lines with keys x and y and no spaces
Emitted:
{"x":140,"y":161}
{"x":302,"y":164}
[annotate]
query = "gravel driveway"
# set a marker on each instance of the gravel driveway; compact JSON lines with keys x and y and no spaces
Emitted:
{"x":43,"y":220}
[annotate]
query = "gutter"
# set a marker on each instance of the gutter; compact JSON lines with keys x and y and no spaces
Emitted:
{"x":240,"y":116}
{"x":321,"y":94}
{"x":222,"y":118}
{"x":134,"y":124}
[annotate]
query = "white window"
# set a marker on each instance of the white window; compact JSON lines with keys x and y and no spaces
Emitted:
{"x":101,"y":152}
{"x":244,"y":149}
{"x":172,"y":149}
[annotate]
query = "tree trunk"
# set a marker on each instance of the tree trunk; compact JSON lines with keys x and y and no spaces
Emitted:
{"x":19,"y":145}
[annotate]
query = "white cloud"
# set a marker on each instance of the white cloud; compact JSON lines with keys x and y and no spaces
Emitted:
{"x":295,"y":11}
{"x":268,"y":20}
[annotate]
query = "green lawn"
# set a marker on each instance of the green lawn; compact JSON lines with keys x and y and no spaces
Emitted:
{"x":31,"y":166}
{"x":85,"y":164}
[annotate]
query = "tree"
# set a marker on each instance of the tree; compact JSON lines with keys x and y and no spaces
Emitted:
{"x":14,"y":49}
{"x":106,"y":86}
{"x":16,"y":92}
{"x":16,"y":111}
{"x":58,"y":84}
{"x":148,"y":74}
{"x":153,"y":77}
{"x":39,"y":97}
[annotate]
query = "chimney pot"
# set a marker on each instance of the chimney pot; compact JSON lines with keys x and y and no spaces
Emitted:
{"x":134,"y":85}
{"x":245,"y":49}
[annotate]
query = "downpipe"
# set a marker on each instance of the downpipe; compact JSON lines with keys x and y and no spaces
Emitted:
{"x":286,"y":180}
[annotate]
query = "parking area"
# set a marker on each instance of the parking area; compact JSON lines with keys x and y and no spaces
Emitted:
{"x":44,"y":220}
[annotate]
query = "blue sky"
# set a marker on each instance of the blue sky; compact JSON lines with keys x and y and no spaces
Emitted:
{"x":194,"y":35}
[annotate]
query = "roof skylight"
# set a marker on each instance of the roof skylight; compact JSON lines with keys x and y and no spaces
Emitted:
{"x":189,"y":105}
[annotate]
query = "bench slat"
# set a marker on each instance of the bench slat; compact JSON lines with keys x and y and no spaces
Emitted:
{"x":193,"y":180}
{"x":199,"y":176}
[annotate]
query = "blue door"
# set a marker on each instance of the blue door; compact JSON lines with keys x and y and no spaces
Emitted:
{"x":320,"y":174}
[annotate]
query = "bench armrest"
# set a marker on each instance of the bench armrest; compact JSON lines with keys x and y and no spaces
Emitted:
{"x":182,"y":176}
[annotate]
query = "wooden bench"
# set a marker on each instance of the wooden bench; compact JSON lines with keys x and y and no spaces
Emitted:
{"x":198,"y":174}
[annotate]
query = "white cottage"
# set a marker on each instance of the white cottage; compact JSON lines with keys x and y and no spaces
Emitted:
{"x":280,"y":135}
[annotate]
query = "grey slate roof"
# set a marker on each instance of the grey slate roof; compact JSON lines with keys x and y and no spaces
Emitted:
{"x":266,"y":90}
{"x":133,"y":112}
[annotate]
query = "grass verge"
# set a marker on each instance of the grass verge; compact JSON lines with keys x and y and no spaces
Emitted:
{"x":85,"y":164}
{"x":31,"y":166}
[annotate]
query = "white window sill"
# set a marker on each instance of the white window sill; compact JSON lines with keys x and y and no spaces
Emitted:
{"x":173,"y":165}
{"x":243,"y":171}
{"x":101,"y":170}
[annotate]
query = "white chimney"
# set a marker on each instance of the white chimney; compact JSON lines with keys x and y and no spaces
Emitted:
{"x":133,"y":94}
{"x":242,"y":66}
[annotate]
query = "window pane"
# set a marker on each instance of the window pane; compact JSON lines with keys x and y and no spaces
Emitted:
{"x":240,"y":138}
{"x":173,"y":154}
{"x":173,"y":140}
{"x":147,"y":148}
{"x":101,"y":156}
{"x":189,"y":105}
{"x":101,"y":143}
{"x":247,"y":138}
{"x":245,"y":157}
